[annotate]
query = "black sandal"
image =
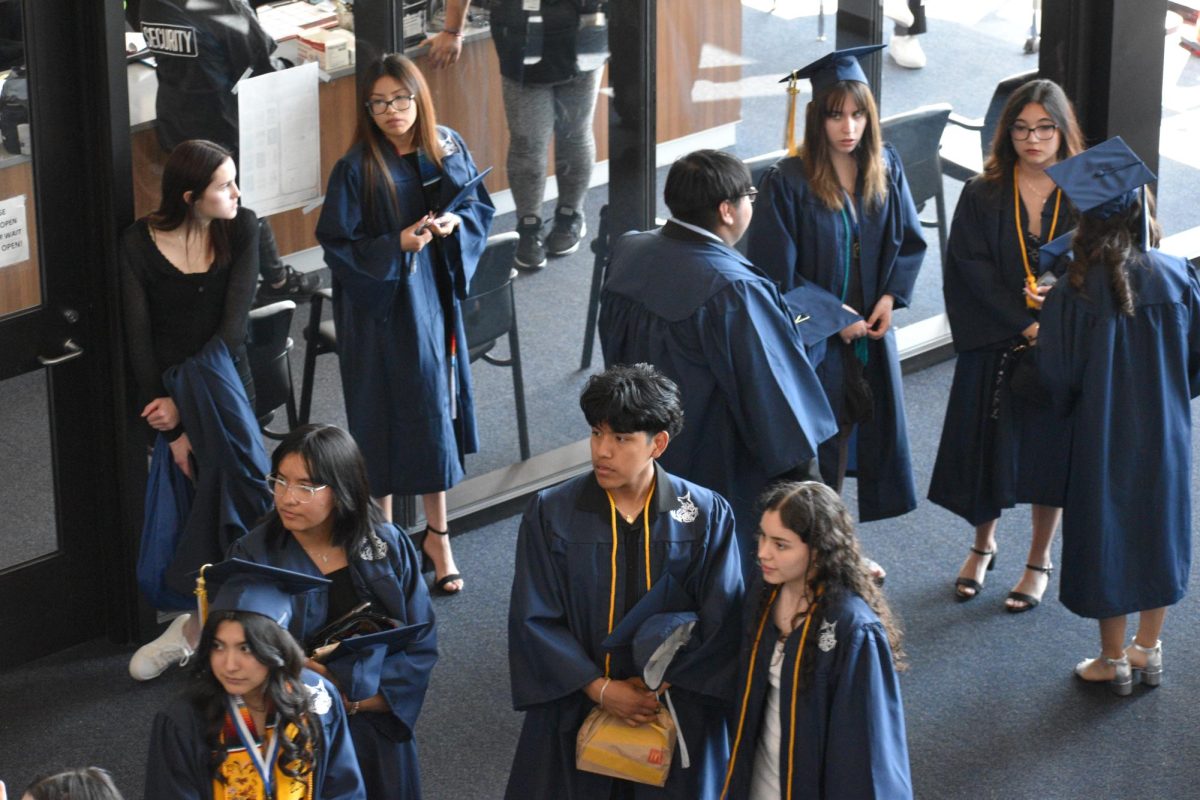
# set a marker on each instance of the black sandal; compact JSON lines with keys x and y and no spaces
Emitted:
{"x":1029,"y":600}
{"x":971,"y":583}
{"x":439,"y":585}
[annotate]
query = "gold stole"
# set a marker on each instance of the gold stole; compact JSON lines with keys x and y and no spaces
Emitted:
{"x":242,"y":781}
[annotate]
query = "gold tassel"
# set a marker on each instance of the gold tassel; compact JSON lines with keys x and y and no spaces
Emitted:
{"x":202,"y":595}
{"x":789,"y":133}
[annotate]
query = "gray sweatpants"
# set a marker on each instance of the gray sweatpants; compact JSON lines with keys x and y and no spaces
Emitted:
{"x":534,"y":111}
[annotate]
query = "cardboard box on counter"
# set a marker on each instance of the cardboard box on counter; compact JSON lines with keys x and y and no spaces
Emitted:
{"x":331,"y":49}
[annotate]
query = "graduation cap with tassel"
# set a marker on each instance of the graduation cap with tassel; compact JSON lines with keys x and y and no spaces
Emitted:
{"x":840,"y":65}
{"x":238,"y":585}
{"x":1105,"y":180}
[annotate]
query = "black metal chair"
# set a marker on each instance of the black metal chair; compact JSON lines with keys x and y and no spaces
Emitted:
{"x":915,"y":135}
{"x":267,"y":348}
{"x":967,"y":141}
{"x":320,"y":338}
{"x":490,"y":312}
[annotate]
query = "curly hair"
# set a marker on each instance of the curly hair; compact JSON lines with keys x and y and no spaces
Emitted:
{"x":836,"y":568}
{"x":277,"y":650}
{"x":1110,"y":244}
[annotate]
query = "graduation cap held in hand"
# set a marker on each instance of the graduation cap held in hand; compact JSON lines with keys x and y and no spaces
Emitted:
{"x":357,"y":662}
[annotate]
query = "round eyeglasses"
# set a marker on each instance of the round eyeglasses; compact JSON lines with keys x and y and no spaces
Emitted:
{"x":300,"y":491}
{"x":1039,"y":132}
{"x":401,"y":102}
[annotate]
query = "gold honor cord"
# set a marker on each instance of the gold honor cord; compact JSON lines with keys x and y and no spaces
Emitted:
{"x":737,"y":739}
{"x":1030,"y":280}
{"x":795,"y":684}
{"x":612,"y":591}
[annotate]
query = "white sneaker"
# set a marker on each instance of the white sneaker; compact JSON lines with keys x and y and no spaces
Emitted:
{"x":899,"y":12}
{"x":153,"y":658}
{"x":906,"y":51}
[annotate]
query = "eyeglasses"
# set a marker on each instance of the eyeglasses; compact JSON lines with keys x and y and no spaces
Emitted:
{"x":752,"y":193}
{"x":302,"y":493}
{"x":1040,"y":132}
{"x":401,"y":102}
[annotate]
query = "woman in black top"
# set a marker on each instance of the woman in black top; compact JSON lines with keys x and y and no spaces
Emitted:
{"x":188,"y":273}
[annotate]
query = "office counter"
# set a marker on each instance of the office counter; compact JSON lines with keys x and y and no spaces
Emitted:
{"x":467,"y":98}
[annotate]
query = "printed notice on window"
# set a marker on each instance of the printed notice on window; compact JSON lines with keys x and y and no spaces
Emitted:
{"x":14,"y":235}
{"x":279,"y":122}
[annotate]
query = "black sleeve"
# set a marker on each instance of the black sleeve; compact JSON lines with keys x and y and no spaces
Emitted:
{"x":243,"y":278}
{"x":135,"y":308}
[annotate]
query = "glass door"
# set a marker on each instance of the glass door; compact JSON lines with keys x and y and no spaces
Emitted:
{"x":55,"y":407}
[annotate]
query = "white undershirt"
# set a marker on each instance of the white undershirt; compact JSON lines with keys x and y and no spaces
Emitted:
{"x":764,"y":782}
{"x":697,"y":229}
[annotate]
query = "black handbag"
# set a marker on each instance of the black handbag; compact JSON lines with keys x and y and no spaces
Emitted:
{"x":1024,"y":375}
{"x":858,"y":401}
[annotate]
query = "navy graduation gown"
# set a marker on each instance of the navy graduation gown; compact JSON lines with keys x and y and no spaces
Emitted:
{"x":178,"y":766}
{"x":408,"y":404}
{"x":231,"y":492}
{"x":1125,"y":384}
{"x":387,"y":573}
{"x":704,"y":317}
{"x":850,"y":740}
{"x":559,"y":616}
{"x":987,"y":464}
{"x":797,"y":240}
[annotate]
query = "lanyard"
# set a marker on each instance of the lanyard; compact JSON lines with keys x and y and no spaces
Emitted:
{"x":612,"y":594}
{"x":851,"y":237}
{"x":851,"y":240}
{"x":1030,"y":278}
{"x":262,"y":764}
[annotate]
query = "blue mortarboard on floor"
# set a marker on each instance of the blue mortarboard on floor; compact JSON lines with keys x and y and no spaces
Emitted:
{"x":358,"y":662}
{"x":840,"y":65}
{"x":1103,"y":180}
{"x":237,"y":585}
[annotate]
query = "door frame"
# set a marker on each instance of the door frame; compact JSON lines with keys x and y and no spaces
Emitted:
{"x":83,"y":197}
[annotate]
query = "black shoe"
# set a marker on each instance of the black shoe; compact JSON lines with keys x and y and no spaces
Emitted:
{"x":569,"y":229}
{"x":296,"y":285}
{"x":531,"y":253}
{"x":970,"y":583}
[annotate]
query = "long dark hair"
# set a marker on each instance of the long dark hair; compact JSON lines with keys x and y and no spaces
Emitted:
{"x":334,"y":460}
{"x":190,"y":168}
{"x":1110,"y":244}
{"x":86,"y":783}
{"x":277,"y":650}
{"x":1049,"y":95}
{"x":816,"y":154}
{"x":425,"y":136}
{"x":816,"y":514}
